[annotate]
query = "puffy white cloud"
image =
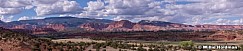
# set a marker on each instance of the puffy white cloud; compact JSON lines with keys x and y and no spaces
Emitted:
{"x":36,"y":2}
{"x":10,"y":7}
{"x":58,"y":7}
{"x":179,"y":11}
{"x":6,"y":18}
{"x":42,"y":7}
{"x":123,"y":17}
{"x":95,"y":9}
{"x":187,"y":12}
{"x":127,"y":7}
{"x":14,"y":3}
{"x":221,"y":21}
{"x":29,"y":18}
{"x":95,"y":5}
{"x":202,"y":12}
{"x":8,"y":11}
{"x":24,"y":18}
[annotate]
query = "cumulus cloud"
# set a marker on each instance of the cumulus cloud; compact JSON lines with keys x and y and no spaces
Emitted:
{"x":6,"y":18}
{"x":29,"y":18}
{"x":42,"y":7}
{"x":9,"y":11}
{"x":45,"y":1}
{"x":58,"y":7}
{"x":222,"y":21}
{"x":179,"y":11}
{"x":95,"y":9}
{"x":201,"y":12}
{"x":10,"y":7}
{"x":14,"y":3}
{"x":95,"y":5}
{"x":127,"y":7}
{"x":24,"y":18}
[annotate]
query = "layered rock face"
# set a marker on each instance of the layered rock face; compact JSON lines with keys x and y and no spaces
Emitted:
{"x":145,"y":25}
{"x":121,"y":24}
{"x":55,"y":23}
{"x":24,"y":27}
{"x":60,"y":24}
{"x":43,"y":30}
{"x":159,"y":23}
{"x":227,"y":35}
{"x":93,"y":26}
{"x":139,"y":27}
{"x":57,"y":27}
{"x":40,"y":29}
{"x":220,"y":26}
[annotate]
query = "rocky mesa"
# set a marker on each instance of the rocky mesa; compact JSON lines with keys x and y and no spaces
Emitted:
{"x":63,"y":23}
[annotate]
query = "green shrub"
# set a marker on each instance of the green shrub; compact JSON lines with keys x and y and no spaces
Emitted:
{"x":187,"y":45}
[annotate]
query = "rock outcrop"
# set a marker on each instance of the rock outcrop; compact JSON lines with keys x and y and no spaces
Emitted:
{"x":159,"y":23}
{"x":43,"y":30}
{"x":123,"y":25}
{"x":24,"y":27}
{"x":227,"y":35}
{"x":62,"y":23}
{"x":57,"y":27}
{"x":93,"y":26}
{"x":220,"y":26}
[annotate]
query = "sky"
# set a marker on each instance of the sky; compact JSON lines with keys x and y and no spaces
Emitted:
{"x":193,"y":12}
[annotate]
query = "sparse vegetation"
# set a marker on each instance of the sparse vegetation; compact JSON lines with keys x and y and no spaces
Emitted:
{"x":111,"y":41}
{"x":187,"y":45}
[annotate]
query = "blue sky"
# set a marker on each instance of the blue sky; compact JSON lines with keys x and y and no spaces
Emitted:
{"x":222,"y":12}
{"x":32,"y":13}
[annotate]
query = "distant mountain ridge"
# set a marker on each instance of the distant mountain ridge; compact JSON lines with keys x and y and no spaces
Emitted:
{"x":1,"y":22}
{"x":55,"y":24}
{"x":67,"y":21}
{"x":156,"y":23}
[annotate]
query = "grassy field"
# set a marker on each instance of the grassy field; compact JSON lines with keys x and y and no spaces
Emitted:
{"x":233,"y":42}
{"x":146,"y":44}
{"x":78,"y":40}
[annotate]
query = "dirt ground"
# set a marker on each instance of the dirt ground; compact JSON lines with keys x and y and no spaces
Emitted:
{"x":233,"y":42}
{"x":78,"y":40}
